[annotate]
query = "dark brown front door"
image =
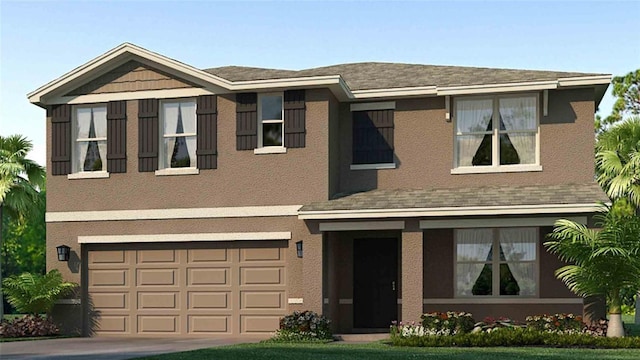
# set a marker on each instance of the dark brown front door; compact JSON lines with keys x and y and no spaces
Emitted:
{"x":375,"y":275}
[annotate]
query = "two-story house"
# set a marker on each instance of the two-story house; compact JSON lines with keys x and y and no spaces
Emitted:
{"x":213,"y":202}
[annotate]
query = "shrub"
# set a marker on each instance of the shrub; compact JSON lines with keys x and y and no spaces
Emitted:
{"x":490,"y":324}
{"x":28,"y":326}
{"x":303,"y":326}
{"x":34,"y":293}
{"x":596,"y":328}
{"x":449,"y":323}
{"x":556,"y":323}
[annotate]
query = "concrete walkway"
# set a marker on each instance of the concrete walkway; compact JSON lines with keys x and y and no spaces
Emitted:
{"x":103,"y":348}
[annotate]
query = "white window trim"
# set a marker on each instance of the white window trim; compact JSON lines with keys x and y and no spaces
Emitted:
{"x":381,"y":166}
{"x":496,"y":167}
{"x":77,"y":173}
{"x":166,"y":169}
{"x":270,"y":149}
{"x":495,"y":281}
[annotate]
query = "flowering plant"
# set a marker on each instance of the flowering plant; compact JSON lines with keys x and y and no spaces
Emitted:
{"x":556,"y":323}
{"x":305,"y":325}
{"x":490,"y":324}
{"x":448,"y":323}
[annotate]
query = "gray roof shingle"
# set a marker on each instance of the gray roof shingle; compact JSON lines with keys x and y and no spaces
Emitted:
{"x":380,"y":75}
{"x":589,"y":193}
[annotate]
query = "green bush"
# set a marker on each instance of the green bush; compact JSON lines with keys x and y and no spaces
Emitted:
{"x":303,"y":326}
{"x":517,"y":337}
{"x":557,"y":323}
{"x":28,"y":326}
{"x":447,"y":323}
{"x":35,"y":293}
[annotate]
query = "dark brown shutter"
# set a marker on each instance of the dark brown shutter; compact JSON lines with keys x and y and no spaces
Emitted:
{"x":294,"y":119}
{"x":373,"y":137}
{"x":148,"y":136}
{"x":246,"y":121}
{"x":117,"y":137}
{"x":60,"y":139}
{"x":207,"y":115}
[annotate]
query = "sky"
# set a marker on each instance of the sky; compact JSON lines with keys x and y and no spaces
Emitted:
{"x":42,"y":40}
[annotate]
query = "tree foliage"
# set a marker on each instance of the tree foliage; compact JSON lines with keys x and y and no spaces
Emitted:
{"x":34,"y":293}
{"x":627,"y":91}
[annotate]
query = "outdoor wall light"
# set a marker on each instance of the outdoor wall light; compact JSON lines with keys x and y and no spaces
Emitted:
{"x":299,"y":248}
{"x":63,"y":252}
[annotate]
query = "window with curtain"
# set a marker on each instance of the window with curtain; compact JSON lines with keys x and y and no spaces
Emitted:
{"x":178,"y":142}
{"x":496,"y":131}
{"x":496,"y":262}
{"x":271,"y":120}
{"x":90,"y":150}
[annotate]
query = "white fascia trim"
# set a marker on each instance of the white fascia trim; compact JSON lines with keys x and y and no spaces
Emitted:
{"x":131,"y":95}
{"x":311,"y":81}
{"x":372,"y":166}
{"x":585,"y":80}
{"x":450,"y":211}
{"x":270,"y":150}
{"x":395,"y":92}
{"x":495,"y":169}
{"x":295,"y":301}
{"x":236,"y":236}
{"x":168,"y":214}
{"x":496,"y":88}
{"x":496,"y":222}
{"x":177,"y":171}
{"x":383,"y":105}
{"x":506,"y":301}
{"x":88,"y":175}
{"x":362,"y":225}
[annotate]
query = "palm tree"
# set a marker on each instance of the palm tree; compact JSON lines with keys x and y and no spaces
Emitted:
{"x":604,"y":261}
{"x":20,"y":181}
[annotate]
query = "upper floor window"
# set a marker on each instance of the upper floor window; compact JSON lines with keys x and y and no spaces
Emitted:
{"x":90,"y":133}
{"x":496,"y":262}
{"x":178,"y":137}
{"x":373,"y":129}
{"x":271,"y":120}
{"x":498,"y":133}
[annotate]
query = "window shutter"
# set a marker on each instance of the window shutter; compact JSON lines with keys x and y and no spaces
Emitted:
{"x":148,"y":135}
{"x":60,"y":139}
{"x":117,"y":137}
{"x":373,"y":137}
{"x":207,"y":116}
{"x":246,"y":121}
{"x":294,"y":119}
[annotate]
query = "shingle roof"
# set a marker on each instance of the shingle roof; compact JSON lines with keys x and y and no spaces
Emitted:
{"x":487,"y":196}
{"x":379,"y":75}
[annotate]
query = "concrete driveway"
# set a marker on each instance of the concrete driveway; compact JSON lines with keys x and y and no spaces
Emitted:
{"x":102,"y":348}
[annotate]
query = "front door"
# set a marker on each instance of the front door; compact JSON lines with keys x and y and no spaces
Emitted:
{"x":375,"y":275}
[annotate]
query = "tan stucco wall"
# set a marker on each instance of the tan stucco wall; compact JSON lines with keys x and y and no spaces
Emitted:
{"x":424,"y":143}
{"x":241,"y":179}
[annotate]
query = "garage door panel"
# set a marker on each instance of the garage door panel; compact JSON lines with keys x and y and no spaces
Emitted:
{"x":155,"y":277}
{"x":156,"y":256}
{"x":208,"y":276}
{"x":266,"y":254}
{"x":158,"y":300}
{"x":157,"y":324}
{"x":207,"y":255}
{"x":110,"y":300}
{"x":199,"y":324}
{"x":113,"y":324}
{"x":261,"y":275}
{"x":261,"y":300}
{"x":209,"y":300}
{"x":107,"y":257}
{"x":259,"y":323}
{"x":115,"y":277}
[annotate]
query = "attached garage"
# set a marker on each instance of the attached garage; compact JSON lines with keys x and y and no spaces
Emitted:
{"x":186,"y":289}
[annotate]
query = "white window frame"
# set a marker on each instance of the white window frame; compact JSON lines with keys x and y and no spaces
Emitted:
{"x":495,"y":138}
{"x":495,"y":264}
{"x":80,"y":173}
{"x":163,"y":167}
{"x":270,"y":149}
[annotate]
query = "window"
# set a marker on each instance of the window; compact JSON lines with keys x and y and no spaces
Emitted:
{"x":373,"y":136}
{"x":90,"y":132}
{"x":497,"y":133}
{"x":178,"y":142}
{"x":271,"y":120}
{"x":496,"y":262}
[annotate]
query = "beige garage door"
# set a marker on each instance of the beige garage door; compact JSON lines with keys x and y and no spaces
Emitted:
{"x":187,"y":291}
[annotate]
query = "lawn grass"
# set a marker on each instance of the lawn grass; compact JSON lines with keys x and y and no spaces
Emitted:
{"x":379,"y":350}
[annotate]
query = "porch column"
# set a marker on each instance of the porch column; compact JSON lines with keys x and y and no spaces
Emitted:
{"x":412,"y":270}
{"x":312,"y":272}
